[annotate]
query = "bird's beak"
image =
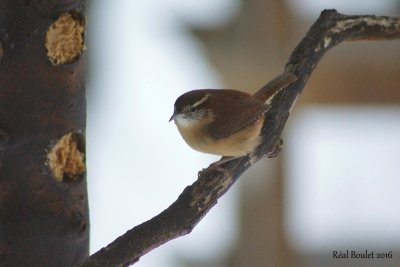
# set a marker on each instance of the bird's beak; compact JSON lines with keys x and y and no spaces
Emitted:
{"x":173,"y":116}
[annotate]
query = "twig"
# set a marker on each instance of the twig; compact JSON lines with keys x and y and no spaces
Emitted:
{"x":196,"y":200}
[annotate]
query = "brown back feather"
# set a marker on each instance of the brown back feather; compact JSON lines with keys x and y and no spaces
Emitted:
{"x":232,"y":119}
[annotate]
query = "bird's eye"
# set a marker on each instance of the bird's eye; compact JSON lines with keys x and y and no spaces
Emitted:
{"x":190,"y":109}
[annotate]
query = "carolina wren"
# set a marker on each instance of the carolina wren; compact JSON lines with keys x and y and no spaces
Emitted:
{"x":225,"y":122}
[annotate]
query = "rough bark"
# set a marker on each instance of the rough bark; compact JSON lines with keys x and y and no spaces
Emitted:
{"x":196,"y":200}
{"x":43,"y":198}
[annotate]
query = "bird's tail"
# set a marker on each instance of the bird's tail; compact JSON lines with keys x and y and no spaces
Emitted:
{"x":273,"y":87}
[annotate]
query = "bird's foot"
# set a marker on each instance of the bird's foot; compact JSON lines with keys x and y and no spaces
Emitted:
{"x":216,"y":166}
{"x":277,"y":149}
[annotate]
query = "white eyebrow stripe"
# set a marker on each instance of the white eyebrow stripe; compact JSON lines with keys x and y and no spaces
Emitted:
{"x":201,"y":101}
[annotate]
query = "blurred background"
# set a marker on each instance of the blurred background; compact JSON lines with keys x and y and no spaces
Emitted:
{"x":334,"y":187}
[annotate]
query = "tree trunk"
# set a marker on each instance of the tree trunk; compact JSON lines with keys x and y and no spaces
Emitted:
{"x":43,"y":198}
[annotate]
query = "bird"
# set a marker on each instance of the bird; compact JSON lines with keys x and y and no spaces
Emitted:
{"x":225,"y":122}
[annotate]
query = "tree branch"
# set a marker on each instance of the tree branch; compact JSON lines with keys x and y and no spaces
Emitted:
{"x":196,"y":200}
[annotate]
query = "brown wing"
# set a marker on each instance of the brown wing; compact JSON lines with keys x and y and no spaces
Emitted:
{"x":237,"y":110}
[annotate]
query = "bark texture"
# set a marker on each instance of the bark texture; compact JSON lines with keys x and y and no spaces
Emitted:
{"x":43,"y":198}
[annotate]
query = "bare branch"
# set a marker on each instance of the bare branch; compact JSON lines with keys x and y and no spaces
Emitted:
{"x":196,"y":200}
